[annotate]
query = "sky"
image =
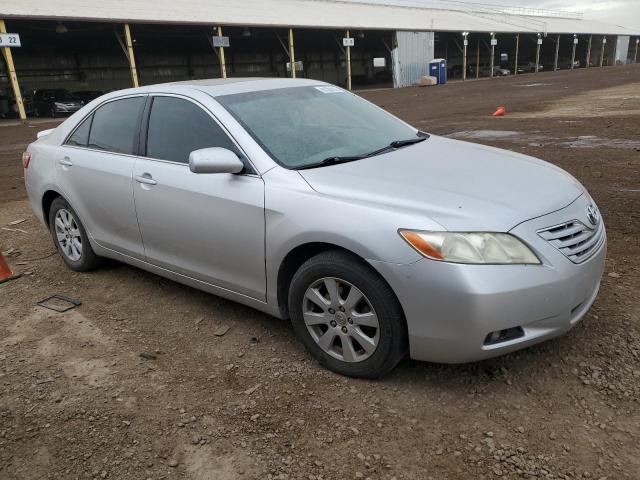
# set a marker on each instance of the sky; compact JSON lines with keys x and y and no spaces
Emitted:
{"x":618,"y":12}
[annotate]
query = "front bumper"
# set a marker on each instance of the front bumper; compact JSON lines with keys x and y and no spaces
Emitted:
{"x":451,"y":308}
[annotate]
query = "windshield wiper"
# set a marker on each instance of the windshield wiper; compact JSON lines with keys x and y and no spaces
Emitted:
{"x":333,"y":161}
{"x":392,"y":146}
{"x":395,"y":145}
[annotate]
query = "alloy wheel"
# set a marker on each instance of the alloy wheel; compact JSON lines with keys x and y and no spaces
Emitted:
{"x":341,"y":319}
{"x":68,"y":235}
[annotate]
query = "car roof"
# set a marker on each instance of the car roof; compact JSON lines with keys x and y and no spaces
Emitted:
{"x":222,"y":86}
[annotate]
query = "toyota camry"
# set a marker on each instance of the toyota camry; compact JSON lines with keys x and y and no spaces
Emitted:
{"x":305,"y":201}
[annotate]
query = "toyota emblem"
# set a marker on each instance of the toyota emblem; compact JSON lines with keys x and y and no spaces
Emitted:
{"x":592,"y":215}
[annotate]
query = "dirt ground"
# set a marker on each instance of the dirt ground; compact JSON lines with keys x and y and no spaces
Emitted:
{"x":78,"y":401}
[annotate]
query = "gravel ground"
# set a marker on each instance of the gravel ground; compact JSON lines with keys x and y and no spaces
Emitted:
{"x":151,"y":379}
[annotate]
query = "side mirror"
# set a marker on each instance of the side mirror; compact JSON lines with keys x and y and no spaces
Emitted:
{"x":214,"y":160}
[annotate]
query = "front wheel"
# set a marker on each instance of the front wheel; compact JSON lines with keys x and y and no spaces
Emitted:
{"x":347,"y":316}
{"x":70,"y":237}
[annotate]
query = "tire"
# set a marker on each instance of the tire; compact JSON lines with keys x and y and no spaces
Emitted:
{"x":389,"y":338}
{"x":67,"y":233}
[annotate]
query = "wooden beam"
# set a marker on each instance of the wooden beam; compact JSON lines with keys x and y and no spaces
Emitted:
{"x":13,"y":78}
{"x":130,"y":56}
{"x":292,"y":54}
{"x":223,"y":64}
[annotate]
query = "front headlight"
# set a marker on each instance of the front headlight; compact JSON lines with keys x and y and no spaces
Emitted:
{"x":473,"y":247}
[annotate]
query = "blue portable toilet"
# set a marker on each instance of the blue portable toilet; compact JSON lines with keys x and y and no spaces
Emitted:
{"x":438,"y":69}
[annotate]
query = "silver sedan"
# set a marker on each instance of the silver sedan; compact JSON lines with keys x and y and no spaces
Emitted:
{"x":307,"y":202}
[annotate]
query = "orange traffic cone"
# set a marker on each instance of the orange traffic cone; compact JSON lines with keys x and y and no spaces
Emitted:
{"x":5,"y":272}
{"x":500,"y":111}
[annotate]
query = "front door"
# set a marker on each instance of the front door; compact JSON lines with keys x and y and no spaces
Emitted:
{"x":206,"y":226}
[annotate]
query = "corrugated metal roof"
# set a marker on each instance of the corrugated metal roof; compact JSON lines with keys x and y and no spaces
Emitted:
{"x":300,"y":13}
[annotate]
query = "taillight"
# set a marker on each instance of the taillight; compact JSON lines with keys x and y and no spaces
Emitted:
{"x":26,"y":158}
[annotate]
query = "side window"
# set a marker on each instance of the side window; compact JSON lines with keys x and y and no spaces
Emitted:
{"x":80,"y":137}
{"x":177,"y":127}
{"x":115,"y":125}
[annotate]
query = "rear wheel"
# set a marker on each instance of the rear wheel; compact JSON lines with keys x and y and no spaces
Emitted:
{"x":70,"y":237}
{"x":347,"y":316}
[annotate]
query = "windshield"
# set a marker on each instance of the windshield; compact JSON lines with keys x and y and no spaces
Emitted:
{"x":302,"y":126}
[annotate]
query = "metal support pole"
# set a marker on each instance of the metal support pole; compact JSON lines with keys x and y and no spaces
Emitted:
{"x":604,"y":42}
{"x":348,"y":53}
{"x":515,"y":68}
{"x":635,"y":56}
{"x":493,"y":50}
{"x":555,"y":62}
{"x":292,"y":54}
{"x":132,"y":59}
{"x":464,"y":57}
{"x":573,"y":52}
{"x":13,"y":78}
{"x":589,"y":52}
{"x":478,"y":59}
{"x":223,"y":63}
{"x":538,"y":54}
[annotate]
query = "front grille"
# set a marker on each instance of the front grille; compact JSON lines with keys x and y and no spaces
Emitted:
{"x":574,"y":239}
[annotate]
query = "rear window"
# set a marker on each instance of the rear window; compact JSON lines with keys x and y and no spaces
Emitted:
{"x":115,"y":126}
{"x":80,"y":137}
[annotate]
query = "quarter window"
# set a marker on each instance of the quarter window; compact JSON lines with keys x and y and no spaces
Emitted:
{"x":177,"y":127}
{"x":115,"y":126}
{"x":80,"y":137}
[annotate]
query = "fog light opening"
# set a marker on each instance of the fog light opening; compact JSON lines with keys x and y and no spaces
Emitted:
{"x":500,"y":336}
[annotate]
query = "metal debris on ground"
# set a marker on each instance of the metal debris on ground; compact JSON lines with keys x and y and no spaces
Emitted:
{"x":220,"y":331}
{"x":59,"y":303}
{"x":14,"y":230}
{"x":16,"y":222}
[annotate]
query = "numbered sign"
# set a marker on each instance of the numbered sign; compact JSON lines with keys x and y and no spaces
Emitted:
{"x":222,"y":42}
{"x":299,"y":66}
{"x":348,"y":42}
{"x":10,"y":40}
{"x":494,"y":41}
{"x":465,"y":42}
{"x":539,"y":41}
{"x":604,"y":40}
{"x":575,"y":41}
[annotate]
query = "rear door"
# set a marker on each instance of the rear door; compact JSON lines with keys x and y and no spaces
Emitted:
{"x":206,"y":226}
{"x":94,"y":171}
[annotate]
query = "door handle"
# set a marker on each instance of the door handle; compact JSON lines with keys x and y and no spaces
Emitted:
{"x":66,"y":162}
{"x":145,"y":178}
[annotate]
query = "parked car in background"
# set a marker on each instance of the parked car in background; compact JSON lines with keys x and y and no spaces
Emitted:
{"x":88,"y":95}
{"x":498,"y":71}
{"x":529,"y":67}
{"x":307,"y":202}
{"x":566,"y":64}
{"x":55,"y":102}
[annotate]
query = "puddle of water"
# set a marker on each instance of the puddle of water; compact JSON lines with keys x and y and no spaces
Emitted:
{"x":534,"y":84}
{"x":485,"y":134}
{"x":583,"y":141}
{"x":591,"y":141}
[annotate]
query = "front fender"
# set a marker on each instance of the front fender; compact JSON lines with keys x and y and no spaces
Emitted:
{"x":295,"y":215}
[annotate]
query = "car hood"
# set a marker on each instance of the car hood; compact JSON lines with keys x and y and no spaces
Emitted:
{"x":460,"y":185}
